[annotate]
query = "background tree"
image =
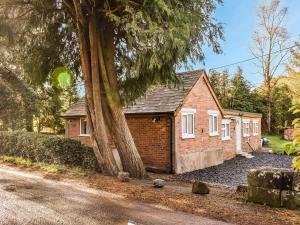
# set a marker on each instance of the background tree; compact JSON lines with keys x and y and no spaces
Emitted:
{"x":221,"y":84}
{"x":292,"y":80}
{"x":34,"y":44}
{"x":282,"y":102}
{"x":269,"y":47}
{"x":241,"y":97}
{"x":18,"y":101}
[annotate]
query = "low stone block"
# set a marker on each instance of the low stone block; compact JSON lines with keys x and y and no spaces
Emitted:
{"x":290,"y":199}
{"x":287,"y":180}
{"x":264,"y":196}
{"x":200,"y":188}
{"x":265,"y":178}
{"x":159,"y":183}
{"x":123,"y":177}
{"x":296,"y":182}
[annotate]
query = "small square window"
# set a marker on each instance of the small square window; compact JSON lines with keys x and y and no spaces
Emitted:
{"x":84,"y":128}
{"x":255,"y":128}
{"x":188,"y":123}
{"x":246,"y":128}
{"x":225,"y":129}
{"x":213,"y":123}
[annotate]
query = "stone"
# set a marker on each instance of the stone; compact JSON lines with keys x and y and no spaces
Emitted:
{"x":242,"y":188}
{"x":290,"y":199}
{"x":123,"y":176}
{"x":200,"y":188}
{"x":159,"y":183}
{"x":265,"y":178}
{"x":265,"y":196}
{"x":296,"y":181}
{"x":287,"y":180}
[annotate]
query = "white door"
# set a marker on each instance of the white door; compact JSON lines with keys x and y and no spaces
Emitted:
{"x":238,"y":133}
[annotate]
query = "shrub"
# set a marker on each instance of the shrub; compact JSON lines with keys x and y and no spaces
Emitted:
{"x":47,"y":149}
{"x":294,"y":148}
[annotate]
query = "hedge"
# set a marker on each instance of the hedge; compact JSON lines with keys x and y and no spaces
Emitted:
{"x":50,"y":149}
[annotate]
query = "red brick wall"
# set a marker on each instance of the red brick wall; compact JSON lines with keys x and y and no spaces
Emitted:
{"x":151,"y":138}
{"x":73,"y":131}
{"x":200,"y":99}
{"x":255,"y":141}
{"x":229,"y":146}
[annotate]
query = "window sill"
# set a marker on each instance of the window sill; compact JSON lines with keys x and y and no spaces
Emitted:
{"x":213,"y":134}
{"x":226,"y":139}
{"x":188,"y":136}
{"x":84,"y":135}
{"x":246,"y":135}
{"x":255,"y":134}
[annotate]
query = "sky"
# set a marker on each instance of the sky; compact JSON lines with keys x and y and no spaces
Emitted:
{"x":239,"y":21}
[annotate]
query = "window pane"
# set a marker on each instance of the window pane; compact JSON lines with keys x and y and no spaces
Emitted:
{"x":190,"y":124}
{"x":227,"y":130}
{"x":184,"y":124}
{"x":215,"y":124}
{"x":211,"y":123}
{"x":83,"y":127}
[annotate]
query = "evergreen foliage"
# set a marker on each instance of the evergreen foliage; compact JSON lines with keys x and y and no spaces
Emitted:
{"x":46,"y":149}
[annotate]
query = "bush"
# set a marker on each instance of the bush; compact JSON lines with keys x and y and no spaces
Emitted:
{"x":47,"y":149}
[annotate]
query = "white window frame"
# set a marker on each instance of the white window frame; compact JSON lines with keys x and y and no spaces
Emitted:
{"x":255,"y":127}
{"x":214,"y":114}
{"x":246,"y":121}
{"x":226,"y":122}
{"x":186,"y":112}
{"x":81,"y":134}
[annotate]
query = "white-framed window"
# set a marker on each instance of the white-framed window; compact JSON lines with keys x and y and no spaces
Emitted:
{"x":188,"y":122}
{"x":84,"y":128}
{"x":246,"y":128}
{"x":255,"y":127}
{"x":225,"y":129}
{"x":213,"y":122}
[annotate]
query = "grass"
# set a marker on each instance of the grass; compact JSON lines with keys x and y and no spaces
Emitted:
{"x":276,"y":143}
{"x":50,"y":168}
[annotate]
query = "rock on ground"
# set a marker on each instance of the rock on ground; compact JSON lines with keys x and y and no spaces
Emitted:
{"x":200,"y":188}
{"x":123,"y":177}
{"x":159,"y":183}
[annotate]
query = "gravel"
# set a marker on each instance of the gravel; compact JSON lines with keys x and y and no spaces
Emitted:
{"x":234,"y":172}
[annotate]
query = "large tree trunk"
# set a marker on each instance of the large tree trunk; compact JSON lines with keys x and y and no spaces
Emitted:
{"x":124,"y":142}
{"x":90,"y":69}
{"x":104,"y":107}
{"x":269,"y":106}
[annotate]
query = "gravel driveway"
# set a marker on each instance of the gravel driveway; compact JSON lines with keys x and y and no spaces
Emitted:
{"x":234,"y":172}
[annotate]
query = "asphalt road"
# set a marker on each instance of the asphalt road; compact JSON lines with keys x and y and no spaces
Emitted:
{"x":30,"y":199}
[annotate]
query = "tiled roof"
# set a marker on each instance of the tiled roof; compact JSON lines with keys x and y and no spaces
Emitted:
{"x":233,"y":111}
{"x":78,"y":109}
{"x":161,"y":99}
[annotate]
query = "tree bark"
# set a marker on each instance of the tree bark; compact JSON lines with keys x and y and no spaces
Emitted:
{"x":90,"y":69}
{"x":269,"y":105}
{"x":124,"y":142}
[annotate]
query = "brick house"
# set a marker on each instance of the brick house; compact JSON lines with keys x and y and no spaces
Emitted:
{"x":180,"y":129}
